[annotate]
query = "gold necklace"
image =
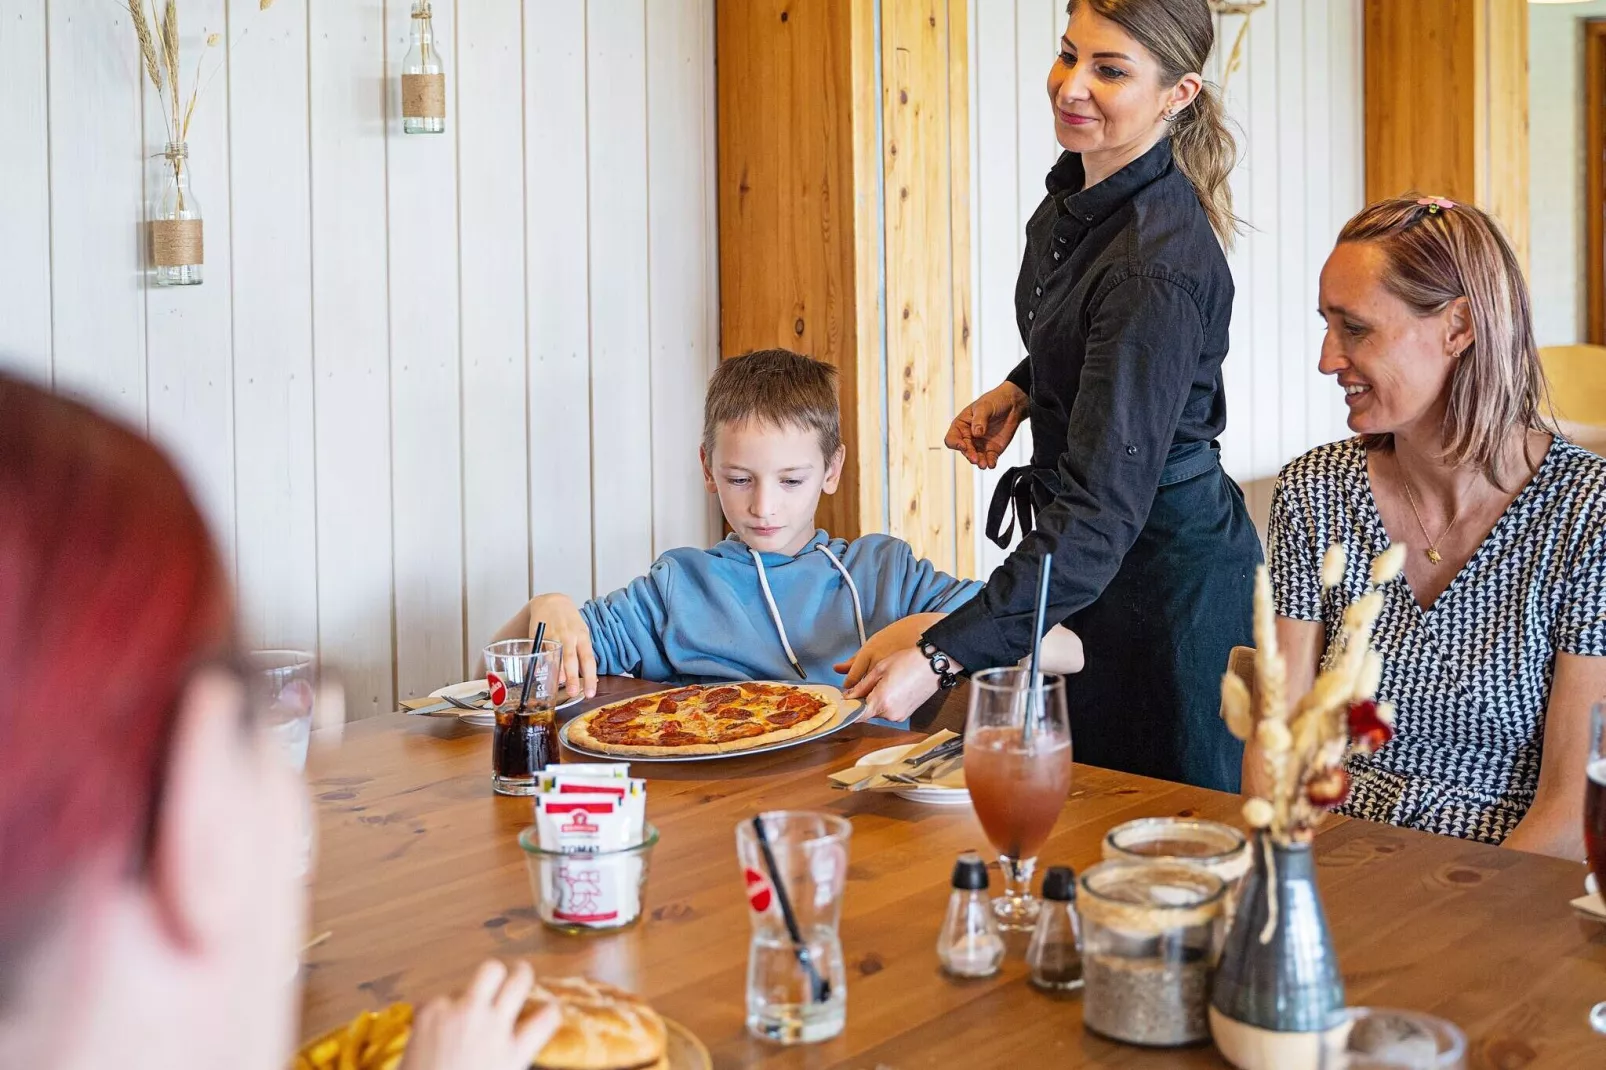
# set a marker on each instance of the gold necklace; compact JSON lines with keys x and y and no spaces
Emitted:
{"x":1432,"y":551}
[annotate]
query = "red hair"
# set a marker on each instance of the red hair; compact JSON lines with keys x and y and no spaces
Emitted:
{"x":111,"y":593}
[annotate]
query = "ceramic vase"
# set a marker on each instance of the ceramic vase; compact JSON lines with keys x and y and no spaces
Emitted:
{"x":1277,"y":1001}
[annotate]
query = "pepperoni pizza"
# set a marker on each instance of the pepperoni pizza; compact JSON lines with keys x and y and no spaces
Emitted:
{"x":704,"y":720}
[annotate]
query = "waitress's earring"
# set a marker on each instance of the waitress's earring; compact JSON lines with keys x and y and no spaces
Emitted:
{"x":1169,"y":117}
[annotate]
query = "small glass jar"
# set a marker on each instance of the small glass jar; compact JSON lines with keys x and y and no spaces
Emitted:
{"x":1149,"y":934}
{"x":588,"y":892}
{"x":1221,"y":849}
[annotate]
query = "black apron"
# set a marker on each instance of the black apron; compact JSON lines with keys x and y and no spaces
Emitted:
{"x":1148,"y":700}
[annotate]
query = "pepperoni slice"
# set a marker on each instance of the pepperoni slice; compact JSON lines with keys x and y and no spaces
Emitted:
{"x":681,"y":694}
{"x":732,"y":713}
{"x":619,"y":717}
{"x":801,"y":700}
{"x":667,"y":705}
{"x":677,"y":739}
{"x":720,"y":695}
{"x":671,"y":728}
{"x":743,"y":730}
{"x":785,"y":718}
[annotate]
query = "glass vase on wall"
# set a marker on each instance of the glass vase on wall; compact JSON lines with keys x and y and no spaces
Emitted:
{"x":423,"y":77}
{"x":177,"y":250}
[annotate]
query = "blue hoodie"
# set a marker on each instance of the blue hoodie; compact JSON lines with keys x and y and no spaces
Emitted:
{"x":730,"y":613}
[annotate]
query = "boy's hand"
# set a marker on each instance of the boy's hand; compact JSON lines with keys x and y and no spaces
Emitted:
{"x":899,"y":635}
{"x":984,"y":428}
{"x":479,"y":1030}
{"x":564,"y":623}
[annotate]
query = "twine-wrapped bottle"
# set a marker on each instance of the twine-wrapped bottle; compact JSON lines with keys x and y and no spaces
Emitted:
{"x":423,"y":78}
{"x":177,"y":250}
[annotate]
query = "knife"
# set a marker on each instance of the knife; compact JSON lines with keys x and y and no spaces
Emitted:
{"x":426,"y":711}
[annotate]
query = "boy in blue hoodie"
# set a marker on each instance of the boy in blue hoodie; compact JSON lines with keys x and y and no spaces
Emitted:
{"x":778,"y":599}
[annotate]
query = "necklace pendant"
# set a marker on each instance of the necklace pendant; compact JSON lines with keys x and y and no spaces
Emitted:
{"x":1433,"y":555}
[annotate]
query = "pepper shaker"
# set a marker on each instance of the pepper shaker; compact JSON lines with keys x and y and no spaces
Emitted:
{"x":1055,"y":953}
{"x":969,"y":945}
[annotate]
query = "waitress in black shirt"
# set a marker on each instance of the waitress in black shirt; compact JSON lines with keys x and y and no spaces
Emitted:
{"x":1123,"y":302}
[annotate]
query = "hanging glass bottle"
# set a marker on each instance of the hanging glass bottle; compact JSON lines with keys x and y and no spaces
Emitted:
{"x":423,"y":77}
{"x":175,"y":222}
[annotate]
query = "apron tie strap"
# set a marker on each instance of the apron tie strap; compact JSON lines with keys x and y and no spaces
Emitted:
{"x":1016,"y":499}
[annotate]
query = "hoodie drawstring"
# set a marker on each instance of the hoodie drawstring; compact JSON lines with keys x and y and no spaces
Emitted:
{"x":775,"y":613}
{"x":853,"y":589}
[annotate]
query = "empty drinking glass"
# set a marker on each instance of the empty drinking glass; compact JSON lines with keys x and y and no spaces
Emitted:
{"x":795,"y":864}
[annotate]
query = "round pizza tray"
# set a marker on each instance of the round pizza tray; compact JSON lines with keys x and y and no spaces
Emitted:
{"x":847,"y":712}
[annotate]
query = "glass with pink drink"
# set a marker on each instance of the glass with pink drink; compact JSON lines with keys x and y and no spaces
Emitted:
{"x":1018,"y":771}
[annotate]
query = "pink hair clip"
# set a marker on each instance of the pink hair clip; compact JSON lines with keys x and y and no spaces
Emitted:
{"x":1434,"y":204}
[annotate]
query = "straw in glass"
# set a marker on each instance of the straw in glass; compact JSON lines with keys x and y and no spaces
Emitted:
{"x":535,"y":654}
{"x":820,"y":986}
{"x":1034,"y":697}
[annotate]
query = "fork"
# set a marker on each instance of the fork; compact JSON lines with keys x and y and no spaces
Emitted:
{"x":460,"y":704}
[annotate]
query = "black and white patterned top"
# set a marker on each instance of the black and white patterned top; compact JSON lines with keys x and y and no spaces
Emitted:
{"x":1470,"y":677}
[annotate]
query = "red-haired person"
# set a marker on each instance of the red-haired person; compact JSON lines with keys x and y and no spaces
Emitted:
{"x":150,"y":908}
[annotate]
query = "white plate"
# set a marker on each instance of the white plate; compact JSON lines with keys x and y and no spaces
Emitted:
{"x":935,"y":796}
{"x":484,"y":718}
{"x":847,"y":712}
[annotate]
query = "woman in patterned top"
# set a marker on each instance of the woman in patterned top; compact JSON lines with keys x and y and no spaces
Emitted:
{"x":1492,"y":639}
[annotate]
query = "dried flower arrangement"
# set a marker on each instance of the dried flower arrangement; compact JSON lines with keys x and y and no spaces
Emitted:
{"x":1304,"y":745}
{"x":160,"y":53}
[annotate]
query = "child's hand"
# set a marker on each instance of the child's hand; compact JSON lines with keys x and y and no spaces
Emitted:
{"x":899,"y":635}
{"x":564,"y":623}
{"x":479,"y":1030}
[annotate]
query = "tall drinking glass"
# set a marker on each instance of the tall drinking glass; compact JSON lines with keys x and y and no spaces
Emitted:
{"x":1595,"y":822}
{"x":795,"y":873}
{"x":525,"y":739}
{"x":1018,"y":770}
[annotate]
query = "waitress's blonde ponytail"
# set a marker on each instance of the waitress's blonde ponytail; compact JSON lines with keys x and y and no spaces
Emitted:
{"x":1180,"y":34}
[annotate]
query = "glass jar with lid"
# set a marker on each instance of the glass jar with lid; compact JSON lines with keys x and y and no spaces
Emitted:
{"x":1149,"y":936}
{"x":1221,"y":849}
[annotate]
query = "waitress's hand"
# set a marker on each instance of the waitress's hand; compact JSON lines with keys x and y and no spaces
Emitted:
{"x":984,"y":428}
{"x":897,"y":685}
{"x":899,"y":635}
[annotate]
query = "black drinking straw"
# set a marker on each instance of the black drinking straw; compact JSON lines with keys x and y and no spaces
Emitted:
{"x":1034,"y":697}
{"x":820,"y":986}
{"x":535,"y":654}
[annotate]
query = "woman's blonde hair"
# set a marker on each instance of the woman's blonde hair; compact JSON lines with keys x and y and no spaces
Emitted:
{"x":1437,"y":252}
{"x":1180,"y":34}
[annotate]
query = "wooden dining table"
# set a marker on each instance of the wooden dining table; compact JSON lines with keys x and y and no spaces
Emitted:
{"x":420,"y":877}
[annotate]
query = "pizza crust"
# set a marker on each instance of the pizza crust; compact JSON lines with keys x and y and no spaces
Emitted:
{"x":580,"y":737}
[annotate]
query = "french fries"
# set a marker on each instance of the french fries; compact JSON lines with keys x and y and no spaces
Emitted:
{"x":374,"y":1040}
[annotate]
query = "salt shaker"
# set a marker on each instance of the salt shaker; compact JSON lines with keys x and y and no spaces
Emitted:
{"x":1055,"y":953}
{"x":969,"y":945}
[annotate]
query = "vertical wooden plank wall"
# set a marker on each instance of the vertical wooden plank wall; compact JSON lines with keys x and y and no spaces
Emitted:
{"x":351,"y":339}
{"x":680,"y":232}
{"x":1296,"y":101}
{"x":790,"y":202}
{"x":25,"y":185}
{"x":383,"y":392}
{"x":1447,"y":104}
{"x":490,"y":147}
{"x":270,"y":214}
{"x":855,"y":192}
{"x":97,"y":184}
{"x":188,"y":333}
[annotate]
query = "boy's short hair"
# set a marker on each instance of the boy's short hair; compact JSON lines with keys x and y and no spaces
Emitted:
{"x":778,"y":387}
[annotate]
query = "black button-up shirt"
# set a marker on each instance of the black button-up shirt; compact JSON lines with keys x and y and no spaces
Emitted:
{"x":1123,"y":302}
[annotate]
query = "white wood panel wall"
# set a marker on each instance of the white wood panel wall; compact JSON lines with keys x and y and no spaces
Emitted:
{"x":1297,"y":102}
{"x":424,"y":373}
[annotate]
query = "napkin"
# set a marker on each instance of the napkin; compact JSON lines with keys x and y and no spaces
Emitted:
{"x":1591,"y":906}
{"x":944,"y":773}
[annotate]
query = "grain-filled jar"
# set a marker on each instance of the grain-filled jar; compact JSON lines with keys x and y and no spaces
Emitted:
{"x":1149,"y":934}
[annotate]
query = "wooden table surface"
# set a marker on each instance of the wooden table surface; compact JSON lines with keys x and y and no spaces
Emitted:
{"x":420,"y":877}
